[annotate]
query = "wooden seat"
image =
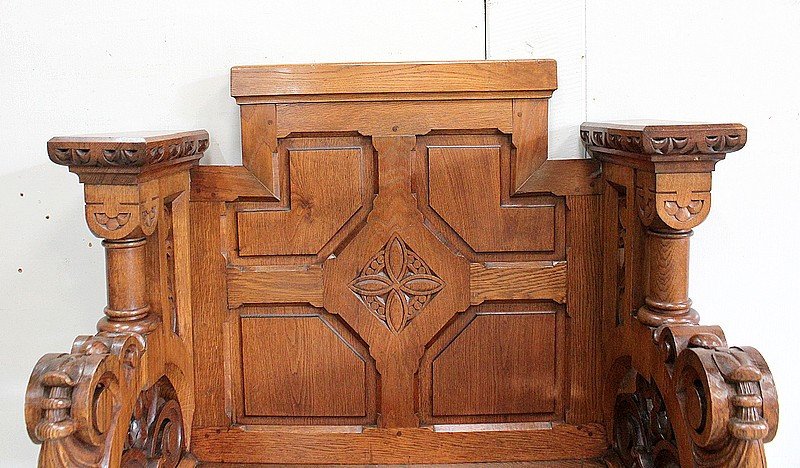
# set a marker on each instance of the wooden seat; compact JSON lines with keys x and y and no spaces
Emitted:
{"x":397,"y":274}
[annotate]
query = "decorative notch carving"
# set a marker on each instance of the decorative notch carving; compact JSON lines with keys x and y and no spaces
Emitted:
{"x":681,"y":200}
{"x":126,"y":151}
{"x":691,"y":141}
{"x":396,"y":284}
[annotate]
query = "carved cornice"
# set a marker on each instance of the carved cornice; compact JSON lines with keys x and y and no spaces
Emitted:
{"x":127,"y":150}
{"x":663,"y":139}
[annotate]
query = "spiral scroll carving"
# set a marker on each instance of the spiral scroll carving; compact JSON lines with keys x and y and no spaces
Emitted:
{"x":73,"y":398}
{"x":155,"y":434}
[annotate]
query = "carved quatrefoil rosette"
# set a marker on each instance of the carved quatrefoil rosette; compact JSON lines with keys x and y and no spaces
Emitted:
{"x":396,"y":284}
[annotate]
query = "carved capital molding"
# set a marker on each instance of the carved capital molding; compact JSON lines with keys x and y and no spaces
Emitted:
{"x":127,"y":150}
{"x":117,"y":212}
{"x":680,"y":201}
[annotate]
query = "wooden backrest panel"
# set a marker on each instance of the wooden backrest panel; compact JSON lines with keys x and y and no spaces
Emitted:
{"x":396,"y":256}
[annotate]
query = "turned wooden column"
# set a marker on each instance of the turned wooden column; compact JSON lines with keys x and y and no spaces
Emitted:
{"x":669,"y":167}
{"x":121,"y":176}
{"x":126,"y":276}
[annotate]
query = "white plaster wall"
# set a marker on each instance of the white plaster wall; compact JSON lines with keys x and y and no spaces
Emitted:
{"x":78,"y":67}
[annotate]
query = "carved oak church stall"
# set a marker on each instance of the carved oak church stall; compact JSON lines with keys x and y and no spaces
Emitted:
{"x":397,"y":274}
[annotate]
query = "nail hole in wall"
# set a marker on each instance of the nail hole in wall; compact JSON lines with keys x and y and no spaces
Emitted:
{"x":19,"y":270}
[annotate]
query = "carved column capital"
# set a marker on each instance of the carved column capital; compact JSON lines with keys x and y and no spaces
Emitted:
{"x":122,"y":174}
{"x":673,"y":201}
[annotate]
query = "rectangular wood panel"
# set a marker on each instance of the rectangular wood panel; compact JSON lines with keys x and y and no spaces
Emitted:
{"x":501,"y":363}
{"x":300,"y":366}
{"x":584,"y":307}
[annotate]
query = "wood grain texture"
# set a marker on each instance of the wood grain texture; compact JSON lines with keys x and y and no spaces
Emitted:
{"x":465,"y":190}
{"x":317,"y":211}
{"x":379,"y":78}
{"x":299,"y":366}
{"x":394,"y":118}
{"x":564,"y":177}
{"x":407,"y":446}
{"x":275,"y":286}
{"x":584,"y":307}
{"x":518,"y":281}
{"x":260,"y":146}
{"x":529,"y":138}
{"x":509,"y":362}
{"x":209,"y":307}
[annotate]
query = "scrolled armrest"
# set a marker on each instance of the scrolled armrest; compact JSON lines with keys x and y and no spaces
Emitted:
{"x":696,"y":401}
{"x":114,"y":399}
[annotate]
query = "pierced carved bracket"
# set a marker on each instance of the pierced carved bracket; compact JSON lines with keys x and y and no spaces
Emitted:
{"x":155,"y":434}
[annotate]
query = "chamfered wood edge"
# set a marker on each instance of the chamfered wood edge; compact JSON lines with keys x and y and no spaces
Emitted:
{"x":393,"y":78}
{"x":558,"y":176}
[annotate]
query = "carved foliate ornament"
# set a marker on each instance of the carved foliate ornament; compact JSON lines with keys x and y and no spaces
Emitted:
{"x":395,"y":285}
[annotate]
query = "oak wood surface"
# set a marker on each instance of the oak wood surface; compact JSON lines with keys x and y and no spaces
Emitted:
{"x":378,"y":78}
{"x":396,"y":274}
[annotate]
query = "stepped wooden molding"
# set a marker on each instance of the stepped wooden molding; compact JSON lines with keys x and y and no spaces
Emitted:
{"x":398,"y":274}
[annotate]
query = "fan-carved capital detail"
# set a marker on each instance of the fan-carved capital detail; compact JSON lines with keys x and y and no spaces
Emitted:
{"x":396,"y":284}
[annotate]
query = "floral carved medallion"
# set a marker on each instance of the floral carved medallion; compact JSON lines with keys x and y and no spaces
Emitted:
{"x":395,"y":285}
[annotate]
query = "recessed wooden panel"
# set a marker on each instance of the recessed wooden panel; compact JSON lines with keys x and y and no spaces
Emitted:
{"x":465,"y":190}
{"x":325,"y":192}
{"x":296,"y":366}
{"x":501,"y":363}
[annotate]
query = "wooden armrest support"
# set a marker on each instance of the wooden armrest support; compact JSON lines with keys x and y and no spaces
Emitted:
{"x":676,"y":392}
{"x":124,"y":393}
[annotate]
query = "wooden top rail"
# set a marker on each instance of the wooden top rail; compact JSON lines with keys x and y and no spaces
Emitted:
{"x":391,"y":81}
